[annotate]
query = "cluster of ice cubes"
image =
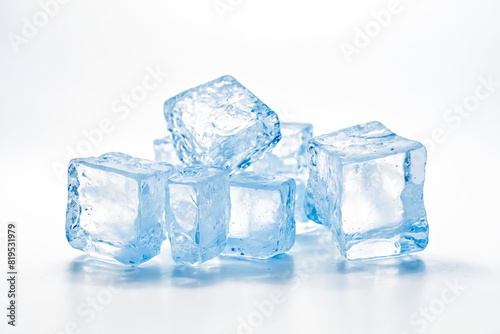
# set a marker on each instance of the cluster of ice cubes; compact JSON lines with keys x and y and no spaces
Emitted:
{"x":230,"y":179}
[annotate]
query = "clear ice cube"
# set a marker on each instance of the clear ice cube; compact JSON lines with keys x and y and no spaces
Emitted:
{"x":198,"y":213}
{"x":289,"y":159}
{"x":289,"y":156}
{"x":116,"y":207}
{"x":366,"y":185}
{"x":221,"y":124}
{"x":165,"y":151}
{"x":262,"y":216}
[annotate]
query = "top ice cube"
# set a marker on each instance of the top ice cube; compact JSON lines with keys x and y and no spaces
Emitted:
{"x":221,"y":124}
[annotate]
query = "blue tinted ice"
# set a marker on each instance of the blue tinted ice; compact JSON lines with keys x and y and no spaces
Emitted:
{"x":221,"y":124}
{"x":289,"y":159}
{"x":262,"y":209}
{"x":198,"y":214}
{"x":289,"y":156}
{"x":116,"y":207}
{"x":366,"y":185}
{"x":165,"y":151}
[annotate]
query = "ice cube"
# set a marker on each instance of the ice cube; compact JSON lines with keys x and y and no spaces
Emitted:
{"x":221,"y":124}
{"x":165,"y":151}
{"x":289,"y":159}
{"x":116,"y":207}
{"x":366,"y":185}
{"x":289,"y":156}
{"x":198,"y":213}
{"x":262,"y":210}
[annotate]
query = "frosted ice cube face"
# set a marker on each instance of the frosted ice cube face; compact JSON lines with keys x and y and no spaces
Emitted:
{"x":165,"y":151}
{"x":366,"y":185}
{"x":198,"y":214}
{"x":221,"y":124}
{"x":116,"y":207}
{"x":289,"y":158}
{"x":262,"y":210}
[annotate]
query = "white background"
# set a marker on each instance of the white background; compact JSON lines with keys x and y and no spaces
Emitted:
{"x":68,"y":77}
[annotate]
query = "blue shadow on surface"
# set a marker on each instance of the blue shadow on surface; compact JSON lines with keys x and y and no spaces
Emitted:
{"x":276,"y":270}
{"x":314,"y":254}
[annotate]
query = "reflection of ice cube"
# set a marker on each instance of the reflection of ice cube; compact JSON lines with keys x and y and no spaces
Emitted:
{"x":116,"y":207}
{"x":198,"y":214}
{"x":262,"y":209}
{"x":221,"y":124}
{"x":366,"y":185}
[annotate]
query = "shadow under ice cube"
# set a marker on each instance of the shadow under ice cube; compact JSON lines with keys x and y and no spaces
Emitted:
{"x":366,"y":185}
{"x":198,"y":210}
{"x":262,"y":209}
{"x":116,"y":207}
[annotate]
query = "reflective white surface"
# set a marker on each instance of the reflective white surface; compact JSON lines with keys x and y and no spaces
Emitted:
{"x":307,"y":290}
